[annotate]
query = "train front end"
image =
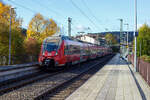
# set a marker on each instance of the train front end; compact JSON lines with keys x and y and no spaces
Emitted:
{"x":49,"y":52}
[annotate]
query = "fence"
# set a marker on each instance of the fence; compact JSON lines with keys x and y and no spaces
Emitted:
{"x":18,"y":59}
{"x":143,"y":68}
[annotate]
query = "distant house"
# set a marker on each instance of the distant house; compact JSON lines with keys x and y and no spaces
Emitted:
{"x":88,"y":39}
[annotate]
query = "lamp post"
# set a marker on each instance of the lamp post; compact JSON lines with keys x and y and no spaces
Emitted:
{"x":127,"y":37}
{"x":121,"y":36}
{"x":9,"y":61}
{"x":69,"y":26}
{"x":135,"y":38}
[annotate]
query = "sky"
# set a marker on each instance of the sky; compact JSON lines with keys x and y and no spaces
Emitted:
{"x":87,"y":15}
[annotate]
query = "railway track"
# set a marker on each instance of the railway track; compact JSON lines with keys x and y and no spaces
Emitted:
{"x":45,"y":83}
{"x":13,"y":76}
{"x":63,"y":90}
{"x":17,"y":66}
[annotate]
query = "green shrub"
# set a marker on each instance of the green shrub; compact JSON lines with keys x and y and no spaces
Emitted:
{"x":146,"y":58}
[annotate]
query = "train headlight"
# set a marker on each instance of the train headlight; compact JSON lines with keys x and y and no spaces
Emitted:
{"x":56,"y":53}
{"x":43,"y":53}
{"x":49,"y":54}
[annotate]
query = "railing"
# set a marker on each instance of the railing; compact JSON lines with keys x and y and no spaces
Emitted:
{"x":143,"y":68}
{"x":18,"y":59}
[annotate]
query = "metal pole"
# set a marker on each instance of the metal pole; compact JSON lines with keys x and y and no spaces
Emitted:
{"x":127,"y":34}
{"x":124,"y":42}
{"x":121,"y":29}
{"x":9,"y":62}
{"x":127,"y":38}
{"x":69,"y":26}
{"x":135,"y":50}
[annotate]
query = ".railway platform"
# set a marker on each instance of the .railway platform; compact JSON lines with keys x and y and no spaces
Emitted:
{"x":115,"y":81}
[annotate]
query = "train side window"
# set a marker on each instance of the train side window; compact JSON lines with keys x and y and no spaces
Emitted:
{"x":69,"y":49}
{"x":66,"y":49}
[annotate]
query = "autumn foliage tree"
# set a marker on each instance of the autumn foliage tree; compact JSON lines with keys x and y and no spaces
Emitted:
{"x":110,"y":39}
{"x":32,"y":47}
{"x":17,"y":37}
{"x":38,"y":29}
{"x":112,"y":42}
{"x":50,"y":29}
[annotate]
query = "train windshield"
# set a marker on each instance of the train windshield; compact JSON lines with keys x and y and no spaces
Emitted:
{"x":51,"y":45}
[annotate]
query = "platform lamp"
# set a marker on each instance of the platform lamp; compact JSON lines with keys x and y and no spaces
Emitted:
{"x":9,"y":61}
{"x":127,"y":37}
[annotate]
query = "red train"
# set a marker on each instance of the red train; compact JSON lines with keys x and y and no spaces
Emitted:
{"x":61,"y":50}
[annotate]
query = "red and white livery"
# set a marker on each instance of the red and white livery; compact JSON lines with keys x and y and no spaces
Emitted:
{"x":58,"y":51}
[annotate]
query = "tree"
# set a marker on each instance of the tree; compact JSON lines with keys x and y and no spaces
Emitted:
{"x":17,"y":37}
{"x":39,"y":28}
{"x":110,"y":39}
{"x":51,"y":28}
{"x":144,"y":40}
{"x":36,"y":27}
{"x":32,"y":46}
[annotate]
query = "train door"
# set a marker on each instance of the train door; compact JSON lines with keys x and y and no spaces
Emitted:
{"x":68,"y":52}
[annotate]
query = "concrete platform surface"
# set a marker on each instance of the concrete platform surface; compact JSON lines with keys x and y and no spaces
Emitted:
{"x":115,"y":81}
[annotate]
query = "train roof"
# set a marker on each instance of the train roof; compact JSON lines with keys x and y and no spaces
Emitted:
{"x":52,"y":37}
{"x":66,"y":38}
{"x":73,"y":39}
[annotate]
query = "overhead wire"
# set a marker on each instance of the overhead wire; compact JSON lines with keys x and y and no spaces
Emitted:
{"x":29,"y":9}
{"x":48,"y":9}
{"x":83,"y":13}
{"x":33,"y":11}
{"x":90,"y":11}
{"x":24,"y":7}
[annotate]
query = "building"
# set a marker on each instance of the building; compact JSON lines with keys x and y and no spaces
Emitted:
{"x":88,"y":39}
{"x":115,"y":33}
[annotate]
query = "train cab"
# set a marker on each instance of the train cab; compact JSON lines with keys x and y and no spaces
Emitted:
{"x":49,"y":51}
